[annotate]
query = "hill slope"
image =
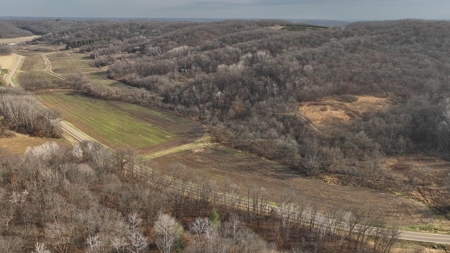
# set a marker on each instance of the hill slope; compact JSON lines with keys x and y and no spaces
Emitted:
{"x":8,"y":30}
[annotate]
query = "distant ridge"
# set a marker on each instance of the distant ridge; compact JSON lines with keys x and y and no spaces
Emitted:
{"x":8,"y":30}
{"x":321,"y":22}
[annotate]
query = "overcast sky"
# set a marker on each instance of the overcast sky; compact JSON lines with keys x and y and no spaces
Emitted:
{"x":252,"y":9}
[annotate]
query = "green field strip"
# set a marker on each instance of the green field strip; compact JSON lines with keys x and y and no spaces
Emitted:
{"x":203,"y":142}
{"x":111,"y":125}
{"x":70,"y":64}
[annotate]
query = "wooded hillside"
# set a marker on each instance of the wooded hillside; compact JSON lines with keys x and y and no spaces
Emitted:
{"x":246,"y":80}
{"x":8,"y":30}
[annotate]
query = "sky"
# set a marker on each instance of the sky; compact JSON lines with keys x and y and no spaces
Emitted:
{"x":233,"y":9}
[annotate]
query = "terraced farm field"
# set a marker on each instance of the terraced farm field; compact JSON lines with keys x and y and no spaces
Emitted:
{"x":121,"y":124}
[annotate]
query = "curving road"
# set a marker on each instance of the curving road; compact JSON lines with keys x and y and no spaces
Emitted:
{"x":12,"y":71}
{"x":64,"y":126}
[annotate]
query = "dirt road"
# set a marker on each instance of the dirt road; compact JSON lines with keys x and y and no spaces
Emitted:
{"x":72,"y":132}
{"x":64,"y":126}
{"x":424,"y":237}
{"x":12,"y":71}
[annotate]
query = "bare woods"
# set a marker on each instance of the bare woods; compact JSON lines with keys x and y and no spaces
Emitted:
{"x":21,"y":112}
{"x":84,"y":199}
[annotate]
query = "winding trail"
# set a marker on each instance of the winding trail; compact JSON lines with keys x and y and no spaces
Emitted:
{"x":49,"y":68}
{"x":12,"y":71}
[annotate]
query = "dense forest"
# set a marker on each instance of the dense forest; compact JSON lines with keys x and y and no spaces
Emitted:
{"x":8,"y":30}
{"x":246,"y":79}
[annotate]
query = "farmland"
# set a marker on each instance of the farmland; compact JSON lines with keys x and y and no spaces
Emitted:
{"x":121,"y":124}
{"x":75,"y":63}
{"x":20,"y":143}
{"x":18,"y":40}
{"x":32,"y":76}
{"x":248,"y":171}
{"x":7,"y":61}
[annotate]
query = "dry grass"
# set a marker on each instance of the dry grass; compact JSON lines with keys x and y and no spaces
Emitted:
{"x":18,"y":39}
{"x":223,"y":164}
{"x":429,"y":175}
{"x":18,"y":144}
{"x":276,"y":27}
{"x":329,"y":110}
{"x":7,"y":61}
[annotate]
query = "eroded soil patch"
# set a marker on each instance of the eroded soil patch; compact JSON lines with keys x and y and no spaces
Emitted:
{"x":334,"y":110}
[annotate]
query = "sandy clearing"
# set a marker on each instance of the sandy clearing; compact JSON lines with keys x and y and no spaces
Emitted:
{"x":18,"y":39}
{"x":330,"y":110}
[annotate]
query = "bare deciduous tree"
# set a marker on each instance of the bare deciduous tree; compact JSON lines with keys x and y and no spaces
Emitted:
{"x":40,"y":248}
{"x":168,"y":231}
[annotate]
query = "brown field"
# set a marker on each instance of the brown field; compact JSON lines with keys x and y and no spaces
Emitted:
{"x":18,"y":39}
{"x":19,"y":143}
{"x":7,"y":61}
{"x":245,"y":170}
{"x":430,"y":174}
{"x":330,"y":110}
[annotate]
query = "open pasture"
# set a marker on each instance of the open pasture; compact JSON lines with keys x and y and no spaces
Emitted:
{"x":67,"y":62}
{"x":32,"y":75}
{"x":7,"y":61}
{"x":118,"y":124}
{"x":227,"y":165}
{"x":18,"y":39}
{"x":19,"y":143}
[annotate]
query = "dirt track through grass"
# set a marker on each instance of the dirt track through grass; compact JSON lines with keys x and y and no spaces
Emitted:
{"x":74,"y":63}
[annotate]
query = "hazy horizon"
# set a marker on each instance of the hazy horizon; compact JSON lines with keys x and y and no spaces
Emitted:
{"x":346,"y":10}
